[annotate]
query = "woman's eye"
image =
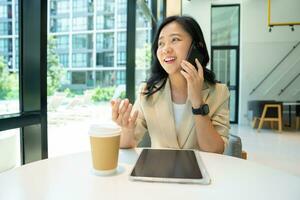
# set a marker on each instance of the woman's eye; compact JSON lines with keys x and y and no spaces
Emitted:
{"x":175,"y":39}
{"x":160,"y":44}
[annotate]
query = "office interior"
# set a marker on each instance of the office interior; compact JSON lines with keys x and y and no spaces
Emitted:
{"x":253,"y":45}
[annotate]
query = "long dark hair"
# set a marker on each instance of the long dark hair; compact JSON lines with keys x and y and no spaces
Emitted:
{"x":158,"y":74}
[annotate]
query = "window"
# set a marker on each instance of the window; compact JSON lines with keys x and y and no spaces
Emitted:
{"x":5,"y":46}
{"x":105,"y":6}
{"x":62,"y":7}
{"x":78,"y":78}
{"x":110,"y":77}
{"x":142,"y":44}
{"x":105,"y":59}
{"x":64,"y":60}
{"x":105,"y":21}
{"x":82,"y":23}
{"x":62,"y":42}
{"x":81,"y":60}
{"x":225,"y":25}
{"x":5,"y":11}
{"x":5,"y":28}
{"x":121,"y":49}
{"x":105,"y":41}
{"x":225,"y":51}
{"x":82,"y":41}
{"x":59,"y":25}
{"x":122,"y":14}
{"x":80,"y":6}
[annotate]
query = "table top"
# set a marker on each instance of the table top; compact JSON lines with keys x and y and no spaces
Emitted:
{"x":70,"y":177}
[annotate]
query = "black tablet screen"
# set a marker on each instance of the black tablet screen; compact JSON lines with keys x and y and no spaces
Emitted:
{"x":167,"y":164}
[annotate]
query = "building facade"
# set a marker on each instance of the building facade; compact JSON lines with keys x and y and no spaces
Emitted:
{"x":89,"y":37}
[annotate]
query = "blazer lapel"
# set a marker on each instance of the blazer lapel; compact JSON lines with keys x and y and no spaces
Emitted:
{"x":164,"y":112}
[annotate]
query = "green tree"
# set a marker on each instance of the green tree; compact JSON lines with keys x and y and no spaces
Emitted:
{"x":55,"y":72}
{"x":8,"y":82}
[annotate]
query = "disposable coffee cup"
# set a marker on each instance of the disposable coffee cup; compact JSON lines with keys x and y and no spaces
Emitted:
{"x":105,"y":142}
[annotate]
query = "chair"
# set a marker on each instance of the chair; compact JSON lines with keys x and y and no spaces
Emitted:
{"x":266,"y":111}
{"x":234,"y":146}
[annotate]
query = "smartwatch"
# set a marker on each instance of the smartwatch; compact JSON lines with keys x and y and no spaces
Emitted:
{"x":202,"y":110}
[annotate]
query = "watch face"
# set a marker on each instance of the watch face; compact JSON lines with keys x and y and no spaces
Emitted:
{"x":205,"y":109}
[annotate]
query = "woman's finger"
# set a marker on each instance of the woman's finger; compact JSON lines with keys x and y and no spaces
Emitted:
{"x":115,"y":109}
{"x":127,"y":115}
{"x":189,"y":68}
{"x":200,"y":68}
{"x":132,"y":119}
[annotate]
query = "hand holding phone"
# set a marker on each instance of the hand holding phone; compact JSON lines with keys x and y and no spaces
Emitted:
{"x":195,"y":51}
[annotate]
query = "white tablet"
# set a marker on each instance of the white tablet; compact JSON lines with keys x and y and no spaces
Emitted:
{"x":170,"y":165}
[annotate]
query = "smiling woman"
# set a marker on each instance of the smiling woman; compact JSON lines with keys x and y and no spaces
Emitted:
{"x":179,"y":106}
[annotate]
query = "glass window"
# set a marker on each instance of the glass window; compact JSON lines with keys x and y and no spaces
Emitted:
{"x":82,"y":6}
{"x":143,"y":44}
{"x":82,"y":41}
{"x":17,"y":18}
{"x":110,"y":78}
{"x":122,"y":14}
{"x":64,"y":60}
{"x":82,"y":23}
{"x":81,"y":60}
{"x":105,"y":41}
{"x":105,"y":6}
{"x":62,"y":42}
{"x":59,"y":24}
{"x":63,"y":7}
{"x":105,"y":59}
{"x":5,"y":11}
{"x":5,"y":46}
{"x":225,"y":25}
{"x":5,"y":28}
{"x":105,"y":21}
{"x":121,"y":49}
{"x":78,"y":78}
{"x":16,"y":54}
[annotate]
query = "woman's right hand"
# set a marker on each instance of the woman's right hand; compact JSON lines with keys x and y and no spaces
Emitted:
{"x":121,"y":114}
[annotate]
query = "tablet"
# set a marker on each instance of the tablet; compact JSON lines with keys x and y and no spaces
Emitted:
{"x":170,"y":165}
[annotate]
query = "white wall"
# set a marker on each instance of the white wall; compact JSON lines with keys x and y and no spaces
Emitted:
{"x":260,"y":50}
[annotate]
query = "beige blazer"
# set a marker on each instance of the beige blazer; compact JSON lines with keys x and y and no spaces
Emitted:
{"x":156,"y":117}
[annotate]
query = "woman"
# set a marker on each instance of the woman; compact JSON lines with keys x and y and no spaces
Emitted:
{"x":179,"y":106}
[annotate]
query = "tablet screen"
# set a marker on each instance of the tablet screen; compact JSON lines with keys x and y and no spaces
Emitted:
{"x":167,"y":164}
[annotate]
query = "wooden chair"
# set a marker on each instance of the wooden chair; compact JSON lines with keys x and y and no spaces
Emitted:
{"x":266,"y":111}
{"x":268,"y":118}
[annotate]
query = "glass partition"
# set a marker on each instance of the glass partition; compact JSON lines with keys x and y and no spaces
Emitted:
{"x":9,"y":58}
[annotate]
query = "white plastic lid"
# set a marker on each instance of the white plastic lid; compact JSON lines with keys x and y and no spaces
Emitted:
{"x":104,"y":130}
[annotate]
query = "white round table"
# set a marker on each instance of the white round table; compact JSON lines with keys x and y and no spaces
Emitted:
{"x":70,"y":177}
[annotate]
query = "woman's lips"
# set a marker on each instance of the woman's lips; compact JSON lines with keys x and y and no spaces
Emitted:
{"x":170,"y":59}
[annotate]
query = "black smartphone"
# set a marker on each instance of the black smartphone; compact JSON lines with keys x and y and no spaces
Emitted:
{"x":195,"y":52}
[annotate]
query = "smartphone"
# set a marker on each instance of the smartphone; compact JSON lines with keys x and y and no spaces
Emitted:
{"x":195,"y":52}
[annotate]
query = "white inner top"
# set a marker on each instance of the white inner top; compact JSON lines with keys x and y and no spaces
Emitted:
{"x":178,"y":113}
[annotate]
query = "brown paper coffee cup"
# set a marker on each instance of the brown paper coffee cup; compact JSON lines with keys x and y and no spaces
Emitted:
{"x":105,"y":142}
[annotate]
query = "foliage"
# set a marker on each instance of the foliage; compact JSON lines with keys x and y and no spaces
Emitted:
{"x":9,"y":86}
{"x":69,"y":93}
{"x":103,"y":94}
{"x":54,"y":71}
{"x":143,"y":57}
{"x":122,"y":95}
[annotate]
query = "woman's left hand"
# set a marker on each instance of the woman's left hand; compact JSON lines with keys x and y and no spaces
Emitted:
{"x":195,"y":81}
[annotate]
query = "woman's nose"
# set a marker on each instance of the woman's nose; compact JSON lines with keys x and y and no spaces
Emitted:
{"x":167,"y":49}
